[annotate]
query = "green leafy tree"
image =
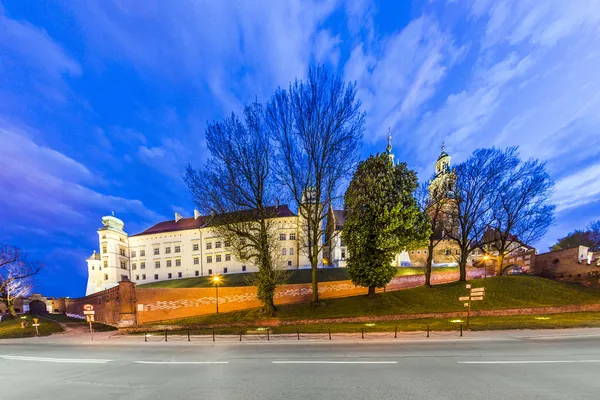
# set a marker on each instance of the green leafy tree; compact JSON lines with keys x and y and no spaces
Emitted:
{"x":383,"y":218}
{"x":590,"y":237}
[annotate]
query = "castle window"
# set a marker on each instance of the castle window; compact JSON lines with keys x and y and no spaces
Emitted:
{"x":284,"y":251}
{"x":208,"y":245}
{"x":105,"y":263}
{"x":123,"y":265}
{"x":424,"y":251}
{"x":448,"y":252}
{"x":225,"y":270}
{"x":155,"y":276}
{"x":412,"y":252}
{"x":197,"y":273}
{"x":210,"y":271}
{"x":243,"y":268}
{"x":208,"y":259}
{"x":227,"y":243}
{"x":122,"y":251}
{"x":289,"y":263}
{"x":142,"y":253}
{"x":282,"y":236}
{"x":195,"y":247}
{"x":179,"y":275}
{"x":343,"y":254}
{"x":143,"y":265}
{"x":137,"y":277}
{"x":291,"y":251}
{"x":169,"y":275}
{"x":177,"y":249}
{"x":168,"y":250}
{"x":178,"y":263}
{"x":105,"y":277}
{"x":92,"y":267}
{"x":196,"y":260}
{"x":104,"y":248}
{"x":292,"y":236}
{"x":217,"y":245}
{"x":227,"y":257}
{"x":133,"y":254}
{"x":156,"y":251}
{"x":133,"y":266}
{"x":156,"y":264}
{"x":418,"y":251}
{"x":218,"y":258}
{"x":143,"y":276}
{"x":457,"y":252}
{"x":168,"y":263}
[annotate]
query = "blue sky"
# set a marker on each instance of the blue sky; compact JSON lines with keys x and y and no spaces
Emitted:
{"x":102,"y":103}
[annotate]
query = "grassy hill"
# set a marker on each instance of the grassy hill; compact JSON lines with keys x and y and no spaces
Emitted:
{"x":297,"y":276}
{"x":11,"y":328}
{"x":501,"y":292}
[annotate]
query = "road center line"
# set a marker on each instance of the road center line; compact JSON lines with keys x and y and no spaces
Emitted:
{"x":334,"y":362}
{"x":531,"y":362}
{"x":181,"y":362}
{"x":56,"y":360}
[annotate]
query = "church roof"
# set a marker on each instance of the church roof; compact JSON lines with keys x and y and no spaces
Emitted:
{"x":442,"y":155}
{"x":206,"y":221}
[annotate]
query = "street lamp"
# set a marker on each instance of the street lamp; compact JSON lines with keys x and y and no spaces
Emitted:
{"x":485,"y":266}
{"x":216,"y":279}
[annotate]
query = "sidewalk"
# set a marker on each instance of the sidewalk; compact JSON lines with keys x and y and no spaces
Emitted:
{"x":111,"y":338}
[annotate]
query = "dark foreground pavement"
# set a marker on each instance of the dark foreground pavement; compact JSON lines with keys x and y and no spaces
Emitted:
{"x":526,"y":367}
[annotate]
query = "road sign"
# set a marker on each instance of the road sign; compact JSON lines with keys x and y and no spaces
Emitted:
{"x":468,"y":286}
{"x":479,"y":289}
{"x":465,"y":298}
{"x":35,"y":325}
{"x":35,"y":320}
{"x":89,"y":312}
{"x":466,"y":304}
{"x":88,"y":307}
{"x":476,"y":298}
{"x":90,"y":318}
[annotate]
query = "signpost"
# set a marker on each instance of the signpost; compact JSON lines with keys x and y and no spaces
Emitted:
{"x":36,"y":324}
{"x":88,"y":311}
{"x":475,"y":294}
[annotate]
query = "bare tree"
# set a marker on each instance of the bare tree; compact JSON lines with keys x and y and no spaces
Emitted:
{"x":433,"y":201}
{"x":522,"y":212}
{"x":317,"y":126}
{"x":235,"y":189}
{"x":477,"y":190}
{"x":16,"y":273}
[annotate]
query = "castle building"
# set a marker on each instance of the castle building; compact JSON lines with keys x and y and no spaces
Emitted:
{"x":179,"y":248}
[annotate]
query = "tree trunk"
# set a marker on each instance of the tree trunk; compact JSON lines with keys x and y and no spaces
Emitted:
{"x":269,"y":308}
{"x":11,"y":309}
{"x":428,"y":265}
{"x":315,"y":285}
{"x":463,"y":265}
{"x":371,"y":293}
{"x":499,"y":262}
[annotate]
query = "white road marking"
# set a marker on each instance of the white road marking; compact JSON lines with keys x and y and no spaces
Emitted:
{"x":334,"y":362}
{"x":181,"y":362}
{"x":531,"y":362}
{"x":56,"y":360}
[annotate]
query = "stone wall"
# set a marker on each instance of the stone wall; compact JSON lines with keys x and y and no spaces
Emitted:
{"x":565,"y":265}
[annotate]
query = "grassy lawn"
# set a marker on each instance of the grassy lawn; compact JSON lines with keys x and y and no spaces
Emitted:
{"x":11,"y":328}
{"x":297,"y":276}
{"x":501,"y":292}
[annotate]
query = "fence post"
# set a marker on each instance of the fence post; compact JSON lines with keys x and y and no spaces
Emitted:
{"x":460,"y":330}
{"x":166,"y":335}
{"x":268,"y":335}
{"x":240,"y":335}
{"x":298,"y":333}
{"x":145,"y":336}
{"x":329,"y":333}
{"x":427,"y":330}
{"x":362,"y":331}
{"x":396,"y":332}
{"x":213,"y":334}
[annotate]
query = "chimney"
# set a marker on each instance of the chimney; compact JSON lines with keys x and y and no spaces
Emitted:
{"x":177,"y":217}
{"x":197,"y":214}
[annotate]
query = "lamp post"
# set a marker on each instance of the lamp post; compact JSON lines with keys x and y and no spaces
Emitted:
{"x":485,"y":260}
{"x":216,"y":280}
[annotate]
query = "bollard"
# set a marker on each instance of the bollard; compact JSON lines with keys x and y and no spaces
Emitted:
{"x":298,"y":333}
{"x":240,"y":335}
{"x":329,"y":333}
{"x":396,"y":332}
{"x":460,"y":330}
{"x":213,"y":334}
{"x":268,"y":335}
{"x":427,"y":330}
{"x":362,"y":331}
{"x":165,"y":335}
{"x":145,"y":336}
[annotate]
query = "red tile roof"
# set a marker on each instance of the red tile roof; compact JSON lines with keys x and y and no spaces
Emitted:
{"x":204,"y":221}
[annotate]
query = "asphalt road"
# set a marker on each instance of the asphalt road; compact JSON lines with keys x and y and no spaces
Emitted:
{"x":526,"y":368}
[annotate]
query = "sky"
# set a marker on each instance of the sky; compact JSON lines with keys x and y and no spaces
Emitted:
{"x":104,"y":103}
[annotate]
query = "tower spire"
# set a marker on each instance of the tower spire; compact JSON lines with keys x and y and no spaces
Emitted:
{"x":389,"y":146}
